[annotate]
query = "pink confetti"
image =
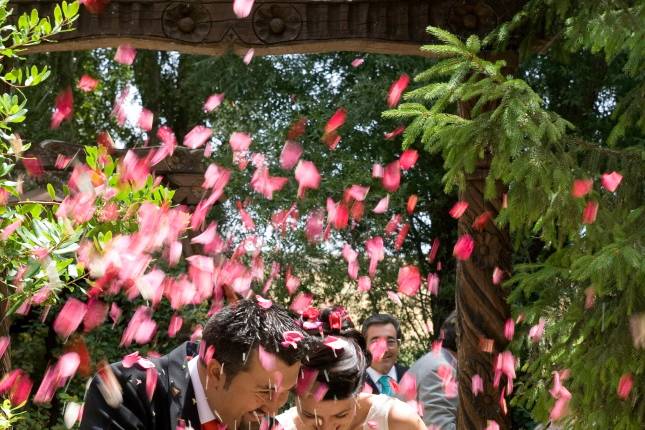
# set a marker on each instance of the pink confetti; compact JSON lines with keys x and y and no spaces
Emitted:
{"x":611,"y":181}
{"x":151,"y":382}
{"x":625,"y":385}
{"x":213,"y":101}
{"x":412,"y":203}
{"x":248,"y":56}
{"x":197,"y":136}
{"x":458,"y":209}
{"x":464,"y":247}
{"x":396,"y":90}
{"x":477,"y":385}
{"x":125,"y":54}
{"x":69,"y":317}
{"x":409,"y":280}
{"x":307,"y":176}
{"x":291,"y":339}
{"x":63,"y":107}
{"x":239,"y":141}
{"x":291,"y":153}
{"x":590,"y":212}
{"x":409,"y":159}
{"x":382,"y":205}
{"x":581,"y":187}
{"x":242,"y":8}
{"x":364,"y":283}
{"x":87,"y":83}
{"x":357,"y":62}
{"x":391,"y":177}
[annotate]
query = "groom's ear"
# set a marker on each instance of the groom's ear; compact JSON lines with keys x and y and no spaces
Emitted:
{"x":215,"y":371}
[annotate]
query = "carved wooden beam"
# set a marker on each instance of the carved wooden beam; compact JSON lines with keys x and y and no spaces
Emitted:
{"x":274,"y":27}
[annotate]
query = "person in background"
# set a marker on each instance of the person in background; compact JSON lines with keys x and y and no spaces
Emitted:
{"x":436,"y":377}
{"x":382,"y":372}
{"x":221,"y":383}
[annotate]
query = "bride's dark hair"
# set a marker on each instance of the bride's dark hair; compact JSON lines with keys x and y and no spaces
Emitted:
{"x":341,"y":370}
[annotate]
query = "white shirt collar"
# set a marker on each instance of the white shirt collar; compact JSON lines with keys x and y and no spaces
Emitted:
{"x":376,"y":375}
{"x":203,"y":409}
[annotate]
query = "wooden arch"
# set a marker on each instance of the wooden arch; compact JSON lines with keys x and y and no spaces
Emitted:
{"x":307,"y":26}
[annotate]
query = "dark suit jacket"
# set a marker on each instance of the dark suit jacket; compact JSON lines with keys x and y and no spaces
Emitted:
{"x":400,"y":371}
{"x":173,"y":397}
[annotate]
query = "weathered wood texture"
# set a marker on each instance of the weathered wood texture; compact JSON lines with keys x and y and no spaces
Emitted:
{"x":275,"y":27}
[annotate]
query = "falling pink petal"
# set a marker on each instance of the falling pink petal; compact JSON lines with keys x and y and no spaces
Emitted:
{"x":364,"y":283}
{"x":464,"y":247}
{"x":239,"y":141}
{"x":590,"y":297}
{"x":168,"y":144}
{"x":407,"y":387}
{"x":266,"y":185}
{"x":536,"y":332}
{"x":382,"y":205}
{"x":146,"y":117}
{"x":151,"y":382}
{"x":377,"y":171}
{"x":314,"y":226}
{"x":412,"y":203}
{"x":48,"y":385}
{"x":625,"y":385}
{"x":396,"y":90}
{"x":68,"y":364}
{"x":94,"y":7}
{"x":400,"y":237}
{"x":72,"y":414}
{"x":87,"y":83}
{"x":119,"y":111}
{"x":377,"y":349}
{"x":433,"y":283}
{"x":216,"y":177}
{"x":63,"y":107}
{"x":301,"y":302}
{"x":394,"y":297}
{"x":509,"y":329}
{"x":69,"y":317}
{"x":291,"y":339}
{"x":213,"y":101}
{"x":480,"y":222}
{"x":197,"y":136}
{"x":174,"y":325}
{"x":357,"y":62}
{"x":125,"y":54}
{"x":8,"y":230}
{"x":358,"y":192}
{"x":267,"y":359}
{"x":611,"y":181}
{"x":392,"y":134}
{"x":96,"y":314}
{"x":391,"y":176}
{"x":409,"y":280}
{"x":434,"y":250}
{"x":458,"y":209}
{"x":242,"y":8}
{"x":498,"y":275}
{"x":115,"y":313}
{"x":336,"y":121}
{"x":248,"y":56}
{"x":590,"y":212}
{"x":4,"y":344}
{"x":491,"y":425}
{"x":62,"y":161}
{"x":307,"y":176}
{"x":375,"y":252}
{"x":409,"y":158}
{"x":264,"y":303}
{"x":477,"y":385}
{"x":291,"y":153}
{"x":581,"y":187}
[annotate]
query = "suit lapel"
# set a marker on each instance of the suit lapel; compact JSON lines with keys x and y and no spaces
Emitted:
{"x":180,"y":387}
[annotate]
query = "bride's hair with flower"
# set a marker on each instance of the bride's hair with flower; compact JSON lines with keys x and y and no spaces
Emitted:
{"x":341,"y":368}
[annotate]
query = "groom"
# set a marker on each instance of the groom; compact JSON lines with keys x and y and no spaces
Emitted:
{"x":238,"y":388}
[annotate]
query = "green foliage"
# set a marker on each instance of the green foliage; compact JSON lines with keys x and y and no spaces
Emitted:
{"x":537,"y":154}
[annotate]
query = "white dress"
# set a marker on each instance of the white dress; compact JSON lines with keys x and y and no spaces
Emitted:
{"x":376,"y":417}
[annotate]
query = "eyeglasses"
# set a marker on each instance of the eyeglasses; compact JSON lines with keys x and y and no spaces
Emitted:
{"x":390,"y":342}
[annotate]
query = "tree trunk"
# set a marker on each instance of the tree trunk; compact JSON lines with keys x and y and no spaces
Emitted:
{"x":481,"y":307}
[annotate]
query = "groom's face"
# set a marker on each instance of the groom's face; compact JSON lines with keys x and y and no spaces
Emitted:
{"x":253,"y":393}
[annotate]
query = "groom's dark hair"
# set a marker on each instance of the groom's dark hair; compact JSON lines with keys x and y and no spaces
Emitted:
{"x":237,"y":330}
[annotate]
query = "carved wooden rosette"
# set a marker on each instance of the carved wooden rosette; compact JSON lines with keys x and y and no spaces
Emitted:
{"x":481,"y":306}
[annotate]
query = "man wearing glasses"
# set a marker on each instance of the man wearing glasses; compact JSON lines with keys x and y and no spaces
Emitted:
{"x":381,"y":373}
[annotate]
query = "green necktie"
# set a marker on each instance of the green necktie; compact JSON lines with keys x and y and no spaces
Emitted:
{"x":384,"y":383}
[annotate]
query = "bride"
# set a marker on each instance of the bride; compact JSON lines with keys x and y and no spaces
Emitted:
{"x":329,"y":393}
